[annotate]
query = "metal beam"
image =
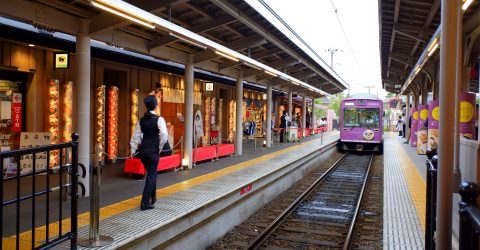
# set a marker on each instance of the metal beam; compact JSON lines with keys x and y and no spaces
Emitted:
{"x":202,"y":27}
{"x":255,"y":56}
{"x":106,"y":20}
{"x":40,"y":16}
{"x":408,"y":35}
{"x":248,"y":21}
{"x":275,"y":65}
{"x":247,"y":42}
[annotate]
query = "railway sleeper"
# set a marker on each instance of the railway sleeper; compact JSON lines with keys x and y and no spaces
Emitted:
{"x":307,"y":241}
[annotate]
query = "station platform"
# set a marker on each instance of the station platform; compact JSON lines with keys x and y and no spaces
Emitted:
{"x":404,"y":195}
{"x":180,"y":194}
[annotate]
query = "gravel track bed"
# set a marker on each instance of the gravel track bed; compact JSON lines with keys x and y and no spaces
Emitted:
{"x":368,"y":232}
{"x":239,"y":237}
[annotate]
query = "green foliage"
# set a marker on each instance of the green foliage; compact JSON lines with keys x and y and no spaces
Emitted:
{"x":335,"y":103}
{"x":390,"y":95}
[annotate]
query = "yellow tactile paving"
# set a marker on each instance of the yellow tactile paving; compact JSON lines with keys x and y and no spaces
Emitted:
{"x":133,"y":203}
{"x":416,"y":184}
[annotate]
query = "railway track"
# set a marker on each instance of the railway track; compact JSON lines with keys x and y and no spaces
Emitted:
{"x":324,"y":215}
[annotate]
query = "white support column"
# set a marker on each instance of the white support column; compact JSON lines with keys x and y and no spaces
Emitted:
{"x":188,"y":110}
{"x":238,"y":122}
{"x":290,"y":107}
{"x":313,"y":117}
{"x":83,"y":61}
{"x":448,"y":45}
{"x":269,"y":116}
{"x":304,"y":113}
{"x":459,"y":88}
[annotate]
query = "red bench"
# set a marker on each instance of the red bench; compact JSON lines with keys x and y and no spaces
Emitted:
{"x":135,"y":166}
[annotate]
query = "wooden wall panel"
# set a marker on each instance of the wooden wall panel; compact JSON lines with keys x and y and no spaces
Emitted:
{"x":19,"y":57}
{"x":6,"y":60}
{"x":32,"y":58}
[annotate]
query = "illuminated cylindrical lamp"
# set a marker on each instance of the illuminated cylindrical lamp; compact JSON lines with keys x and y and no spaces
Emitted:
{"x":67,"y":111}
{"x":54,"y":117}
{"x":158,"y":96}
{"x":207,"y":119}
{"x":100,"y":122}
{"x":133,"y":110}
{"x":112,"y":123}
{"x":231,"y":120}
{"x":220,"y":118}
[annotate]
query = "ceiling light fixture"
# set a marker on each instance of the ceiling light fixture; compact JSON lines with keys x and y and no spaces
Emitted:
{"x":226,"y":56}
{"x":466,"y":4}
{"x":435,"y":47}
{"x":188,"y":40}
{"x":271,"y":73}
{"x":122,"y":14}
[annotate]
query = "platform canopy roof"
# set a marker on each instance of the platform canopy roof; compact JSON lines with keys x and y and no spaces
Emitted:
{"x":233,"y":24}
{"x":409,"y":37}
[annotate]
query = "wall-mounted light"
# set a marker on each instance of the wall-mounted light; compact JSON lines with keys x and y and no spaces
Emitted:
{"x":31,"y":45}
{"x":264,"y":96}
{"x":226,"y":56}
{"x":130,"y":16}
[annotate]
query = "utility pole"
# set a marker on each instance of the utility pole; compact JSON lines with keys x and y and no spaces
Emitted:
{"x":333,"y":51}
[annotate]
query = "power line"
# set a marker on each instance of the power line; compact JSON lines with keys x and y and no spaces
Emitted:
{"x":346,"y":37}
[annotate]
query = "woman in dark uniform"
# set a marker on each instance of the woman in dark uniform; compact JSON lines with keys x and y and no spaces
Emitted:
{"x":149,"y":137}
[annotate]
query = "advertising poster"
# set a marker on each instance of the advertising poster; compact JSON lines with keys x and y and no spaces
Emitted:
{"x":413,"y":129}
{"x":467,"y":115}
{"x":30,"y":140}
{"x":433,"y":119}
{"x":422,"y":132}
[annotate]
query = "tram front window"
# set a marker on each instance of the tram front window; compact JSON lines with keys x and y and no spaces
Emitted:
{"x":361,"y":117}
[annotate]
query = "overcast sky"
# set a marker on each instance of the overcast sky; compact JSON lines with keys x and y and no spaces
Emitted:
{"x":315,"y":21}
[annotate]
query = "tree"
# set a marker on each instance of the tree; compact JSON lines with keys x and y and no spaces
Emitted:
{"x":335,"y":103}
{"x":390,"y":95}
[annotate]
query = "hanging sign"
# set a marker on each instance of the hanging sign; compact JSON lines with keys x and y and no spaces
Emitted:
{"x":61,"y":60}
{"x":16,"y":112}
{"x":209,"y":86}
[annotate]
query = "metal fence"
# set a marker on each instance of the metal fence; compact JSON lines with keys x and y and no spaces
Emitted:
{"x":57,"y":173}
{"x":431,"y":203}
{"x":469,"y":216}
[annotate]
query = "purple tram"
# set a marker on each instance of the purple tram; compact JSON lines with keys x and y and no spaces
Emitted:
{"x":361,"y":127}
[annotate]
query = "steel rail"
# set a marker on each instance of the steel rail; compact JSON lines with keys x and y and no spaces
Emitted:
{"x":260,"y":239}
{"x":357,"y":209}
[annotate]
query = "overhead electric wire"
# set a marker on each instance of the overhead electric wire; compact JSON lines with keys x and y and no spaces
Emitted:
{"x":346,"y":37}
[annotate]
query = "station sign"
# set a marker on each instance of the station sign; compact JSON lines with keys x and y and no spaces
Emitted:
{"x":209,"y":86}
{"x":16,"y":112}
{"x":61,"y":60}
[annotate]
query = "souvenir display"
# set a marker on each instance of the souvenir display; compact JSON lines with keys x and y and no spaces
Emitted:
{"x":67,"y":111}
{"x":112,"y":123}
{"x":133,"y":110}
{"x":100,"y":122}
{"x":54,"y":118}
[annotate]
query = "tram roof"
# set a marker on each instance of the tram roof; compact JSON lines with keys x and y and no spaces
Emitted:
{"x":250,"y":29}
{"x":408,"y":29}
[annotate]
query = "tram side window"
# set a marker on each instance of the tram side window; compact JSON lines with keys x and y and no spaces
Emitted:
{"x":361,"y":117}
